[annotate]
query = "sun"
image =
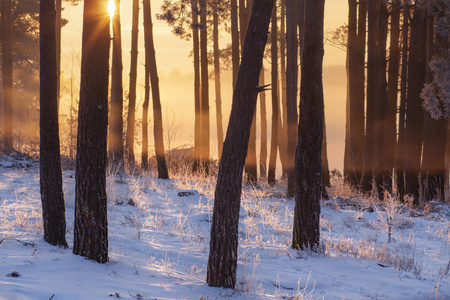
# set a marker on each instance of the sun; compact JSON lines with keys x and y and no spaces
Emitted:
{"x":111,"y":8}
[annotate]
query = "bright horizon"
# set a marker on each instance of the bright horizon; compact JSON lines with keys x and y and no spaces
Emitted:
{"x":176,"y":74}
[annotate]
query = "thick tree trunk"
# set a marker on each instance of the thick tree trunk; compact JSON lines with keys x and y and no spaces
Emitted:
{"x":234,"y":40}
{"x":91,"y":223}
{"x":392,"y":94}
{"x":58,"y":48}
{"x":205,"y":89}
{"x":306,"y":232}
{"x":157,"y":114}
{"x":414,"y":110}
{"x":7,"y":72}
{"x":274,"y":133}
{"x":116,"y":116}
{"x":399,"y":161}
{"x":223,"y":253}
{"x":197,"y":102}
{"x":217,"y":80}
{"x":291,"y":91}
{"x":301,"y":25}
{"x":145,"y":116}
{"x":133,"y":77}
{"x":263,"y":114}
{"x":53,"y":207}
{"x":372,"y":94}
{"x":434,"y":139}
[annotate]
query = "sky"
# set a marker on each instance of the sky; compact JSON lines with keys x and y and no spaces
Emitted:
{"x":176,"y":79}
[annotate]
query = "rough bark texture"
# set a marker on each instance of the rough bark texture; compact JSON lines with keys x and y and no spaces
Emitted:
{"x":58,"y":48}
{"x":157,"y":114}
{"x":197,"y":103}
{"x":91,"y":223}
{"x":53,"y":207}
{"x":372,"y":94}
{"x":291,"y":91}
{"x":133,"y":77}
{"x":414,"y":110}
{"x":7,"y":72}
{"x":274,"y":133}
{"x":399,"y":162}
{"x":205,"y":159}
{"x":116,"y":116}
{"x":223,"y":253}
{"x":263,"y":114}
{"x":217,"y":80}
{"x":306,"y":232}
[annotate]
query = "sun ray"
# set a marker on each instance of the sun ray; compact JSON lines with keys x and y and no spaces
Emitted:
{"x":111,"y":7}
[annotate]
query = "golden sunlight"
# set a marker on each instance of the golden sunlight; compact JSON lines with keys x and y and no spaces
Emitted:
{"x":111,"y":7}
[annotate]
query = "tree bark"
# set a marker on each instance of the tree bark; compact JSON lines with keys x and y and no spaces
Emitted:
{"x":306,"y":232}
{"x":274,"y":133}
{"x":282,"y":125}
{"x":392,"y":93}
{"x":157,"y":115}
{"x":133,"y":76}
{"x":116,"y":115}
{"x":372,"y":94}
{"x":263,"y":114}
{"x":223,"y":253}
{"x":7,"y":73}
{"x":217,"y":80}
{"x":291,"y":91}
{"x":414,"y":110}
{"x":399,"y":162}
{"x":205,"y":88}
{"x":53,"y":207}
{"x":145,"y":115}
{"x":91,"y":223}
{"x":58,"y":48}
{"x":197,"y":102}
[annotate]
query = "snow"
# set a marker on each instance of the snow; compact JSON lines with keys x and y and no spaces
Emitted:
{"x":159,"y":243}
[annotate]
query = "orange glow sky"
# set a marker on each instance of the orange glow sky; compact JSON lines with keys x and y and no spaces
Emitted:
{"x":176,"y":80}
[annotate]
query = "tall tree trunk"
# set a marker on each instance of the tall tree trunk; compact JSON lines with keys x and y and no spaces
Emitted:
{"x":434,"y":137}
{"x":324,"y":165}
{"x":234,"y":40}
{"x":414,"y":110}
{"x":157,"y":115}
{"x":116,"y":122}
{"x":352,"y":99}
{"x":145,"y":115}
{"x":217,"y":80}
{"x":7,"y":72}
{"x":358,"y":105}
{"x":306,"y":232}
{"x":392,"y":93}
{"x":382,"y":173}
{"x":223,"y":252}
{"x":53,"y":207}
{"x":263,"y":148}
{"x":372,"y":94}
{"x":282,"y":119}
{"x":274,"y":133}
{"x":301,"y":25}
{"x":205,"y":88}
{"x":133,"y":77}
{"x":91,"y":223}
{"x":399,"y":161}
{"x":197,"y":103}
{"x":291,"y":91}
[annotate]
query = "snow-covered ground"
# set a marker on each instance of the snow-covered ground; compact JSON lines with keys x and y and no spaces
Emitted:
{"x":159,"y":243}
